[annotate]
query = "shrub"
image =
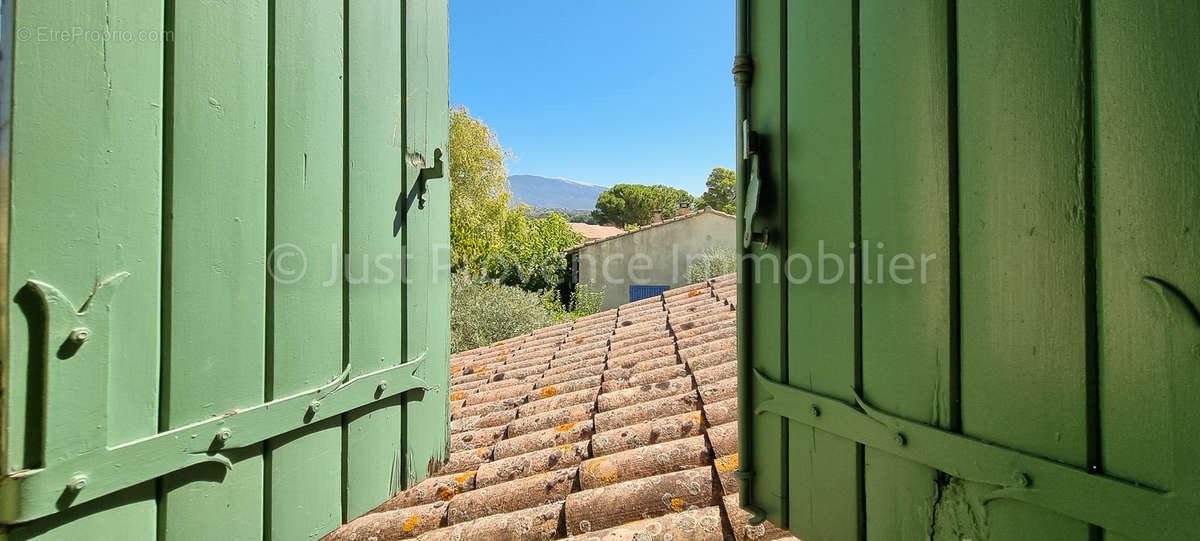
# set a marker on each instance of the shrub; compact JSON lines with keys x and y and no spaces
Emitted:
{"x":711,"y":263}
{"x":483,"y":312}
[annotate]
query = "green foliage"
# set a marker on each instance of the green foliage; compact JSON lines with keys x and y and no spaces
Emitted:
{"x":532,"y":255}
{"x":721,"y":193}
{"x":479,"y":195}
{"x":483,"y":311}
{"x":634,"y":204}
{"x":711,"y":263}
{"x":585,"y":300}
{"x":486,"y":236}
{"x":572,"y":216}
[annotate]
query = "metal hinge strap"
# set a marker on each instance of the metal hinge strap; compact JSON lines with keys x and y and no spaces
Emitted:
{"x":81,"y":467}
{"x":1114,"y":504}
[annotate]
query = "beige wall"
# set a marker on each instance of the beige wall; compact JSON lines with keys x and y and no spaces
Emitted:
{"x":658,"y":255}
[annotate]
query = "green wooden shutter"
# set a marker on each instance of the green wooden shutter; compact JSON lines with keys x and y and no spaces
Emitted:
{"x":1039,"y":159}
{"x":225,"y":263}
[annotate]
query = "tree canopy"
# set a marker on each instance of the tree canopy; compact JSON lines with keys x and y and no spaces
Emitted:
{"x":634,"y":204}
{"x":721,"y":193}
{"x":487,"y":236}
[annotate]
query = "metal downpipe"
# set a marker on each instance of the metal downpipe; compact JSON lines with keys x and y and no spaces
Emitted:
{"x":743,"y":73}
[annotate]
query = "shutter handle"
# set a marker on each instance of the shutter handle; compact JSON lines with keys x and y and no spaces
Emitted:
{"x":753,"y":189}
{"x":427,"y":174}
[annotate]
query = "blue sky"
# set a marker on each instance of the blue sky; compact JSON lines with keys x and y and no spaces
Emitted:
{"x":600,"y":91}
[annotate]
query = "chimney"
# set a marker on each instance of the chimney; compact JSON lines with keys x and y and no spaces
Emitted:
{"x":685,"y":208}
{"x":657,"y":216}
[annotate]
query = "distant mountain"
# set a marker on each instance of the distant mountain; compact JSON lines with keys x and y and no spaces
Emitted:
{"x":555,"y":193}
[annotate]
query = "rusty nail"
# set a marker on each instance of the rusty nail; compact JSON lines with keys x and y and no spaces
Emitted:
{"x":314,"y":406}
{"x":78,"y":335}
{"x":1022,"y":479}
{"x":900,"y":439}
{"x":815,"y":411}
{"x":76,"y":483}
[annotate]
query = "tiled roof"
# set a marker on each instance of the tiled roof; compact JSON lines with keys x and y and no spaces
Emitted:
{"x":656,"y":224}
{"x":617,"y":426}
{"x":595,"y":232}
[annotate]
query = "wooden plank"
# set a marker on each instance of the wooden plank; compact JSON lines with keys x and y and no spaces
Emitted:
{"x":1023,"y":173}
{"x":305,"y":321}
{"x":824,"y":470}
{"x":908,"y":357}
{"x":768,"y":337}
{"x":373,"y":442}
{"x":427,"y":85}
{"x":1148,"y":216}
{"x":214,"y":322}
{"x":86,"y":141}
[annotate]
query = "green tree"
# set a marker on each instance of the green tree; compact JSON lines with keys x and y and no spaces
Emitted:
{"x":634,"y":204}
{"x":720,"y":194}
{"x":486,"y":235}
{"x":533,"y":252}
{"x":479,"y":195}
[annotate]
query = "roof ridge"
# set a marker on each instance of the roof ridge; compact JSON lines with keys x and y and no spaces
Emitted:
{"x":652,"y":225}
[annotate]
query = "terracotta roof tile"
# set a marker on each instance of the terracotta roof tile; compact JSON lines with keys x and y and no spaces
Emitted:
{"x":400,"y":524}
{"x":654,"y":409}
{"x":569,"y":386}
{"x":533,"y":423}
{"x":644,"y":462}
{"x":556,"y":401}
{"x":716,"y":373}
{"x":727,"y":331}
{"x":723,"y":439}
{"x":716,"y":392}
{"x":721,"y":412}
{"x":442,"y":488}
{"x":527,"y":524}
{"x":740,"y":522}
{"x":532,"y":491}
{"x":486,"y":395}
{"x":708,"y":360}
{"x":476,"y":438}
{"x":579,"y":370}
{"x":623,"y":378}
{"x":684,"y":291}
{"x":487,"y":420}
{"x":643,"y":393}
{"x":692,"y":525}
{"x":531,"y":463}
{"x":464,"y":461}
{"x":619,"y":425}
{"x":590,"y":352}
{"x":617,"y":377}
{"x":726,"y":467}
{"x":648,"y":497}
{"x":727,"y":344}
{"x":632,"y":358}
{"x":480,"y":409}
{"x":569,"y":432}
{"x":668,"y":428}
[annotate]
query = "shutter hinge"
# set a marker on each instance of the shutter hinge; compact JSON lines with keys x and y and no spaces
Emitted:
{"x":1114,"y":504}
{"x":80,"y":466}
